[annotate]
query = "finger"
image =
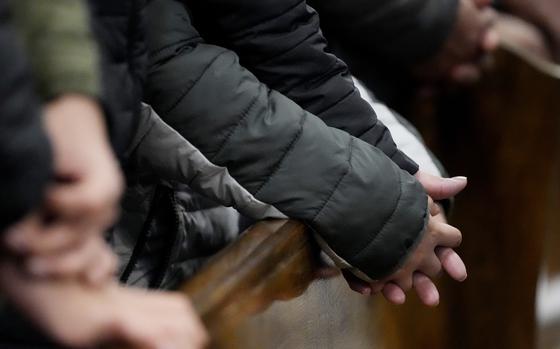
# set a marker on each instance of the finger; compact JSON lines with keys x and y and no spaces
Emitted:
{"x":448,"y":236}
{"x":440,"y":216}
{"x":356,"y":284}
{"x":465,"y":73}
{"x":490,"y":40}
{"x":404,"y":281}
{"x":71,"y":264}
{"x":394,"y":294}
{"x":102,"y":268}
{"x":435,"y":209}
{"x":441,"y":188}
{"x":55,"y":239}
{"x":376,"y":286}
{"x":18,"y":237}
{"x":84,"y":202}
{"x":134,"y":334}
{"x":452,"y":263}
{"x":431,"y":266}
{"x":197,"y":336}
{"x":426,"y":290}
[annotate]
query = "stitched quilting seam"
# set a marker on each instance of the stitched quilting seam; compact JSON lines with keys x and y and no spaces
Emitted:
{"x":190,"y":87}
{"x":285,"y":154}
{"x":377,"y":236}
{"x":335,"y":188}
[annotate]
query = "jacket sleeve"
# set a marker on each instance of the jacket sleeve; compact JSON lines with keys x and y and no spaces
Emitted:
{"x":25,"y":153}
{"x":280,"y":41}
{"x":62,"y":50}
{"x":407,"y":32}
{"x":368,"y":211}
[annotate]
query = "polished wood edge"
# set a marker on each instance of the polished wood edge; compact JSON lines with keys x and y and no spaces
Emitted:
{"x":273,"y":260}
{"x":540,"y":64}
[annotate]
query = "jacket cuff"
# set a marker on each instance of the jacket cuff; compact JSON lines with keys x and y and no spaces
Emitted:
{"x":385,"y":223}
{"x":405,"y":163}
{"x":380,"y":137}
{"x":390,"y":248}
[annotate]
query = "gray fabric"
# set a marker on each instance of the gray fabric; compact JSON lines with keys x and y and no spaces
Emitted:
{"x":184,"y":163}
{"x":290,"y":55}
{"x":365,"y":208}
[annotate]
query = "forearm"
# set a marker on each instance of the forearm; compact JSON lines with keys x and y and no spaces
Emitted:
{"x":290,"y":55}
{"x":346,"y":190}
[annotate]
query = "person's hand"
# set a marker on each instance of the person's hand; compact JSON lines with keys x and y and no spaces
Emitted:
{"x":93,"y":260}
{"x":433,"y":254}
{"x":78,"y":316}
{"x":440,"y":189}
{"x":82,"y":202}
{"x":471,"y":39}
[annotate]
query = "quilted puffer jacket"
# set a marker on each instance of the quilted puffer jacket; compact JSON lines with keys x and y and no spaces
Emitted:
{"x":367,"y":212}
{"x":167,"y":228}
{"x":281,"y":43}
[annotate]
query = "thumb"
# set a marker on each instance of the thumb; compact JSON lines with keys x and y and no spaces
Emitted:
{"x":441,"y":188}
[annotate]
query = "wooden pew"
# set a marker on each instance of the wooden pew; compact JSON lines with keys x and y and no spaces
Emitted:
{"x":258,"y":293}
{"x":504,"y":134}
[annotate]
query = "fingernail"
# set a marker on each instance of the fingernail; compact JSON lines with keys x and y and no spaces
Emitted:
{"x":459,"y":178}
{"x":435,"y":298}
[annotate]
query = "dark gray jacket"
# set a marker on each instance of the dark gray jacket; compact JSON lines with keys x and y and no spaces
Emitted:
{"x":281,"y":43}
{"x":367,"y":212}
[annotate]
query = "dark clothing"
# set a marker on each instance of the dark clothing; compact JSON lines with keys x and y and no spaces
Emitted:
{"x":366,"y":211}
{"x":119,"y":29}
{"x":381,"y":39}
{"x":25,"y":154}
{"x":405,"y":31}
{"x":281,"y":43}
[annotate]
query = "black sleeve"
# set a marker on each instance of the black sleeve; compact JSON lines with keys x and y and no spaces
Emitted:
{"x":406,"y":32}
{"x":280,"y":41}
{"x":25,"y":155}
{"x":119,"y":27}
{"x":365,"y":209}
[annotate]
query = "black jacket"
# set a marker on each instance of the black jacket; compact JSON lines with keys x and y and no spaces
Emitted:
{"x":119,"y":29}
{"x":282,"y":44}
{"x":367,"y":212}
{"x":25,"y":155}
